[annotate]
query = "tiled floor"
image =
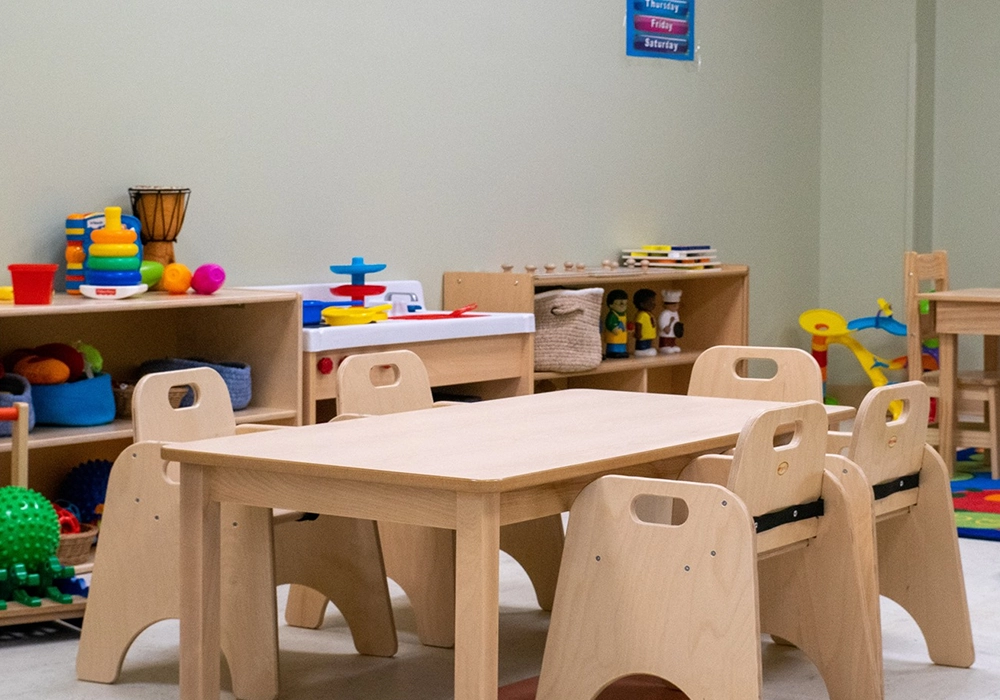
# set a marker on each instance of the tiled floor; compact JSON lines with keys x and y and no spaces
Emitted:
{"x":38,"y":662}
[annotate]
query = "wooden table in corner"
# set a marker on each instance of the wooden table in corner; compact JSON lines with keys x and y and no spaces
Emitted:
{"x":470,"y":468}
{"x":960,"y":311}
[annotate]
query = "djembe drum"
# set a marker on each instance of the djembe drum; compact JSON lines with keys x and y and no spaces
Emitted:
{"x":161,"y":211}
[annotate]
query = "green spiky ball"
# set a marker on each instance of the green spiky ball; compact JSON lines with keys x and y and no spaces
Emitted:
{"x":29,"y":528}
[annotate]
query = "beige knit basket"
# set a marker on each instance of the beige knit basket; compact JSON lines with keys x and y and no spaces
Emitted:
{"x":568,"y":330}
{"x":74,"y":548}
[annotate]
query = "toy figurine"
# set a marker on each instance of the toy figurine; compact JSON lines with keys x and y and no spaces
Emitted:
{"x":671,"y":327}
{"x":645,"y":325}
{"x":615,"y":325}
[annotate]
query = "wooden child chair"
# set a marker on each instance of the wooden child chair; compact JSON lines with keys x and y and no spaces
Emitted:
{"x":981,"y":386}
{"x":717,"y":372}
{"x":919,"y":563}
{"x":814,"y":540}
{"x":420,"y":559}
{"x":642,"y":600}
{"x":135,"y":577}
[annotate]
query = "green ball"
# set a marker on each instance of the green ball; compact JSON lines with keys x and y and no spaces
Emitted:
{"x":29,"y":528}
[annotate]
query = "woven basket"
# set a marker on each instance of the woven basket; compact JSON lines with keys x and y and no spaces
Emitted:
{"x":568,"y":330}
{"x":74,"y":547}
{"x":123,"y":398}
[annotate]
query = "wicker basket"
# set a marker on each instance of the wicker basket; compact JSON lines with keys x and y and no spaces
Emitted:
{"x":74,"y":547}
{"x":123,"y":398}
{"x":568,"y":330}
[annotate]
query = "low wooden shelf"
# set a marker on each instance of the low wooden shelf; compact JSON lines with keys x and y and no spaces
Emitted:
{"x":259,"y":328}
{"x":714,"y":310}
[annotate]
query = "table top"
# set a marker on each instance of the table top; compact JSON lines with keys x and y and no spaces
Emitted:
{"x":985,"y":295}
{"x":491,"y":446}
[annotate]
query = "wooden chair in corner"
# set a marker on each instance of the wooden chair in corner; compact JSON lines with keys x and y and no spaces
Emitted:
{"x":815,"y":543}
{"x":422,"y":560}
{"x":919,"y":563}
{"x":135,"y":581}
{"x":925,"y":272}
{"x":648,"y":605}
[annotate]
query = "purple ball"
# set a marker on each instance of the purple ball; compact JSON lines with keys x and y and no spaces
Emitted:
{"x":208,"y":278}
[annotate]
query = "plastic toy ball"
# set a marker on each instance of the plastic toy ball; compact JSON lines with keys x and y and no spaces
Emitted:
{"x":208,"y":279}
{"x":176,"y":278}
{"x":86,"y":486}
{"x":151,"y":272}
{"x":29,"y":528}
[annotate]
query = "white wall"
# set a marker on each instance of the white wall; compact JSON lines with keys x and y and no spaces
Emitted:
{"x":430,"y":136}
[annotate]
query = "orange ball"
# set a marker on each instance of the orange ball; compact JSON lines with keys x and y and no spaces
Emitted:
{"x":176,"y":278}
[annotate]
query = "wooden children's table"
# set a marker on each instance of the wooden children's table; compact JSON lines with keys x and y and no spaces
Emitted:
{"x":469,"y":467}
{"x":958,"y":311}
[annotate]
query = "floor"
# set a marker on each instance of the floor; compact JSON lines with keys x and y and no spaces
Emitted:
{"x":38,"y":660}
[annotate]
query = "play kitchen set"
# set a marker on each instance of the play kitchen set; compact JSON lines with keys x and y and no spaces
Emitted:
{"x":473,"y":354}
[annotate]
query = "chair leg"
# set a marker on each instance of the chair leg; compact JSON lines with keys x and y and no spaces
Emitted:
{"x":993,"y":421}
{"x":824,"y":597}
{"x":130,"y":588}
{"x":920,"y":567}
{"x":340,"y":560}
{"x":422,"y":561}
{"x":537,"y":546}
{"x":305,"y":607}
{"x":248,"y":614}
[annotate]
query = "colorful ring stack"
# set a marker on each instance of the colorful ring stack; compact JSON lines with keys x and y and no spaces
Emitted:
{"x":113,"y":257}
{"x":75,"y":254}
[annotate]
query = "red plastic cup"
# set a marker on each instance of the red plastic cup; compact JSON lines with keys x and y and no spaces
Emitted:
{"x":32,"y":283}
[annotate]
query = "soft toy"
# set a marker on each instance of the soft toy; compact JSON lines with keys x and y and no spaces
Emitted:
{"x":52,"y":363}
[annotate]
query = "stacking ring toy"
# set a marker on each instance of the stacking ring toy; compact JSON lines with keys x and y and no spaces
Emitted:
{"x":96,"y":263}
{"x":107,"y":236}
{"x":114,"y":250}
{"x":113,"y":278}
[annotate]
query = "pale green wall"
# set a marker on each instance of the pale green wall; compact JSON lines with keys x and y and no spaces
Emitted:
{"x":865,"y":181}
{"x":430,"y":136}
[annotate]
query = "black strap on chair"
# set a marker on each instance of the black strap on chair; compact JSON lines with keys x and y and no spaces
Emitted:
{"x":307,"y":516}
{"x":902,"y":483}
{"x":769,"y":521}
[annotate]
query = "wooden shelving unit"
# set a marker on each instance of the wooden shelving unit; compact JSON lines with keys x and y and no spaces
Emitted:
{"x":260,"y":328}
{"x":714,"y":309}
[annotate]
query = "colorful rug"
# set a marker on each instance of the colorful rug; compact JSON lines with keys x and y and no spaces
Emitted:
{"x":977,"y":497}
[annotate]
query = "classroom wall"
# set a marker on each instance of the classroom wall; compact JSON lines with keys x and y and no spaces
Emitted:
{"x":429,"y":136}
{"x":873,"y":101}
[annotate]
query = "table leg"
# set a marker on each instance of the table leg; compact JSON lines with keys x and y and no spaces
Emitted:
{"x":199,"y":580}
{"x":477,"y":601}
{"x":946,"y":408}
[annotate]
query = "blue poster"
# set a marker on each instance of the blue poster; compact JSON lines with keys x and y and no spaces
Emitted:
{"x":660,"y":29}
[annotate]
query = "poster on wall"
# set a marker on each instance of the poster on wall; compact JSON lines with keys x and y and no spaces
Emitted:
{"x":660,"y":29}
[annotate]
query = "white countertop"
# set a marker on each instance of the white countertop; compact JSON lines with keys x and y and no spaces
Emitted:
{"x":394,"y":332}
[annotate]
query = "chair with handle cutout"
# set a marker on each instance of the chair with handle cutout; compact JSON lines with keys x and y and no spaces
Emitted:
{"x":421,"y":559}
{"x":135,"y":581}
{"x":919,"y":562}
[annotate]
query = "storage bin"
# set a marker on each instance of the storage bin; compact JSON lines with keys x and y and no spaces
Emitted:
{"x":81,"y":403}
{"x":15,"y":389}
{"x":568,"y":330}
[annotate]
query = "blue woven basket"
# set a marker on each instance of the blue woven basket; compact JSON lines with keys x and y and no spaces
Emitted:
{"x":13,"y":389}
{"x":81,"y":403}
{"x":235,"y":374}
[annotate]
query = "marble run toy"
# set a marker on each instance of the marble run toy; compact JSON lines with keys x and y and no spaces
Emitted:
{"x":828,"y":327}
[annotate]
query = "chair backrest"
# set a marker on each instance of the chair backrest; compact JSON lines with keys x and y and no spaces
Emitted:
{"x":379,"y":383}
{"x":717,"y":372}
{"x":643,"y":596}
{"x":211,"y":414}
{"x":769,"y":476}
{"x":922,"y":272}
{"x":886,"y":448}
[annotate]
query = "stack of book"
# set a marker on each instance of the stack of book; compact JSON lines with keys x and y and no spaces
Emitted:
{"x":678,"y":257}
